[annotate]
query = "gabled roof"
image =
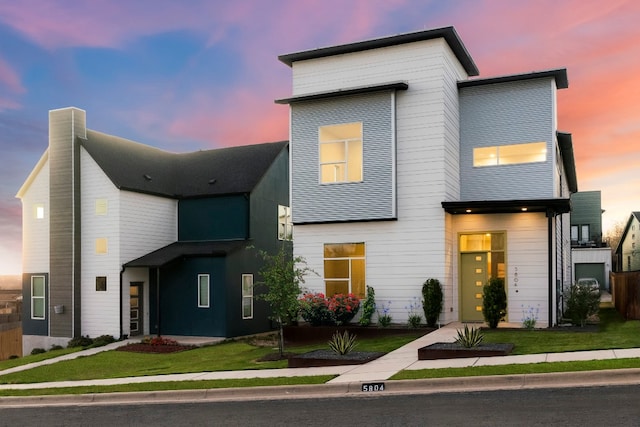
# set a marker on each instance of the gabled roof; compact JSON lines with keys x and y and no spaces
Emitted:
{"x":633,"y":215}
{"x":34,"y":173}
{"x":449,"y":34}
{"x":138,"y":167}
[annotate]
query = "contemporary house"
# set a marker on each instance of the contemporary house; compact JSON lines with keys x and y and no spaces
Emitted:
{"x":404,"y":168}
{"x":120,"y":238}
{"x":628,"y":250}
{"x":590,"y":256}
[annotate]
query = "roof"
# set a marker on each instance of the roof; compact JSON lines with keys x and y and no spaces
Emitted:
{"x":449,"y":34}
{"x":565,"y":144}
{"x":556,"y":206}
{"x":178,"y":250}
{"x":344,"y":92}
{"x":138,"y":167}
{"x":559,"y":74}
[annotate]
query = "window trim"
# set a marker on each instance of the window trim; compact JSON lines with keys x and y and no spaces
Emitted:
{"x":200,"y":302}
{"x":43,"y":298}
{"x":345,"y":160}
{"x":247,"y":296}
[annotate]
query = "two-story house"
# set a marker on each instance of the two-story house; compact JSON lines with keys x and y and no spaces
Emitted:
{"x":628,"y":249}
{"x":121,"y":238}
{"x":590,"y":256}
{"x":403,"y":168}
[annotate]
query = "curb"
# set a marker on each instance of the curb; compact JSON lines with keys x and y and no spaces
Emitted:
{"x":354,"y":389}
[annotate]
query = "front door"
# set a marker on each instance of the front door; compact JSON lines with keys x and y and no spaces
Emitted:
{"x":473,"y":277}
{"x":135,"y":307}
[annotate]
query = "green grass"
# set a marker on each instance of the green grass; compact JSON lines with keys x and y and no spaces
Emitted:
{"x":6,"y":364}
{"x":173,"y":385}
{"x":226,"y":356}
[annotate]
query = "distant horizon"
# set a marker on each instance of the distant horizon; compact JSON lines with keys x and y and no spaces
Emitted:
{"x":206,"y":76}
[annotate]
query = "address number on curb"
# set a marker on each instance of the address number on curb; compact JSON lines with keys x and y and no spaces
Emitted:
{"x":373,"y":387}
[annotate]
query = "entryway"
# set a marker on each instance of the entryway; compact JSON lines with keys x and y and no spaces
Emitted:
{"x":473,"y":277}
{"x":135,"y":308}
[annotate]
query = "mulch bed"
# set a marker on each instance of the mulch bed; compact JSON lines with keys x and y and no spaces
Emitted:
{"x":307,"y":334}
{"x":148,"y":348}
{"x":330,"y":358}
{"x":445,"y":350}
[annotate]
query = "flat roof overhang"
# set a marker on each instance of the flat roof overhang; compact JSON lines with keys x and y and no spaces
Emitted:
{"x":178,"y":250}
{"x":548,"y":206}
{"x":344,"y":92}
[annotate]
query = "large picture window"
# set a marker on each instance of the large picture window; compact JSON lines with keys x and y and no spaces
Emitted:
{"x":530,"y":152}
{"x":344,"y":268}
{"x":340,"y":153}
{"x":37,"y":297}
{"x":247,"y":296}
{"x":203,"y":291}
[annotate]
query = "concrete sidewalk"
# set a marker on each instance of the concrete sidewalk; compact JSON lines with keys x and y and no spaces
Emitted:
{"x":405,"y":357}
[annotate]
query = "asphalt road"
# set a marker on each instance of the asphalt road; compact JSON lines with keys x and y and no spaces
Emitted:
{"x":590,"y":406}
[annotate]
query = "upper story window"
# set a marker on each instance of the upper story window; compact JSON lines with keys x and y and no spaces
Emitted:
{"x":102,"y":245}
{"x":38,"y":211}
{"x":285,"y":226}
{"x":38,"y":297}
{"x":101,"y":206}
{"x":530,"y":152}
{"x":340,"y":148}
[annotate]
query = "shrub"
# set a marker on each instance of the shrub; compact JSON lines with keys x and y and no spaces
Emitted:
{"x":431,"y":301}
{"x":14,"y":356}
{"x":158,"y":341}
{"x":342,"y":343}
{"x":55,"y":347}
{"x":582,"y":304}
{"x":80,"y":342}
{"x":103,"y":340}
{"x":38,"y":351}
{"x":469,"y":338}
{"x":494,"y":302}
{"x":342,"y":308}
{"x":384,"y":319}
{"x":314,"y":309}
{"x":368,"y":307}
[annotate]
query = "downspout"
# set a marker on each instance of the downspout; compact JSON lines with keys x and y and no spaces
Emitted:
{"x":550,"y":265}
{"x":121,"y":311}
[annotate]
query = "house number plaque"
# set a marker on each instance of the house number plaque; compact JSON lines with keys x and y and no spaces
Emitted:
{"x":373,"y":387}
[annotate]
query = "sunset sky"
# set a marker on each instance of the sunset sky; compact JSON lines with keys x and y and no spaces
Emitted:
{"x":201,"y":74}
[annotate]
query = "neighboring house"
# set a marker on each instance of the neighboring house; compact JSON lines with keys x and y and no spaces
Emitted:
{"x":628,"y":250}
{"x":590,"y":257}
{"x":123,"y":239}
{"x":403,"y":169}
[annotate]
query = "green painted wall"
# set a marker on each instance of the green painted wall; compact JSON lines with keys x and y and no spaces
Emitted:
{"x":586,"y":209}
{"x":215,"y":218}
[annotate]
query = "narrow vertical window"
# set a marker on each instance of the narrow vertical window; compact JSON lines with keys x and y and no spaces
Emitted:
{"x":247,"y":296}
{"x":38,"y":211}
{"x":37,"y":297}
{"x":101,"y":246}
{"x":285,"y":226}
{"x":586,"y":236}
{"x":203,"y":291}
{"x":101,"y":206}
{"x":101,"y":283}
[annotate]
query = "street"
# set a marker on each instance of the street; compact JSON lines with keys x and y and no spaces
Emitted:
{"x":592,"y":406}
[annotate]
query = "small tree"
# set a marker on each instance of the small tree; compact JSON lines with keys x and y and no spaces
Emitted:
{"x":431,"y":301}
{"x":494,"y":301}
{"x":582,"y":303}
{"x":368,"y":307}
{"x":282,"y":274}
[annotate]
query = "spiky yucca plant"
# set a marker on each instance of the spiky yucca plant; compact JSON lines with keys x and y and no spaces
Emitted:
{"x":469,"y":338}
{"x":342,"y":343}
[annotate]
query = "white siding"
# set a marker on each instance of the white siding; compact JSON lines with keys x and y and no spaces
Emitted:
{"x":100,"y":310}
{"x":526,"y":255}
{"x":35,"y":232}
{"x":631,"y":247}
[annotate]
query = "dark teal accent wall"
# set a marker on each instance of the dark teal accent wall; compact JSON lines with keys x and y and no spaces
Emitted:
{"x":32,"y":326}
{"x":180,"y":314}
{"x":586,"y":208}
{"x":214,"y":218}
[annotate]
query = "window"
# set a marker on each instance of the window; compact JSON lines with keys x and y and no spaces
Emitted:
{"x":585,"y":235}
{"x":101,"y":245}
{"x":38,"y":211}
{"x":247,"y":296}
{"x":101,"y":206}
{"x":203,"y":290}
{"x":101,"y":284}
{"x":574,"y":233}
{"x":285,"y":226}
{"x":344,"y":269}
{"x":530,"y":152}
{"x":340,"y":153}
{"x":37,"y":297}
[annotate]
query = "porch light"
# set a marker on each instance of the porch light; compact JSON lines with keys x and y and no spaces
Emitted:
{"x":468,"y":211}
{"x":524,"y":209}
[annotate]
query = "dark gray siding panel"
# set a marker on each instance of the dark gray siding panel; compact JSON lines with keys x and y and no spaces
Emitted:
{"x":503,"y":114}
{"x":34,"y":326}
{"x":586,"y":208}
{"x":64,"y":281}
{"x":372,"y":199}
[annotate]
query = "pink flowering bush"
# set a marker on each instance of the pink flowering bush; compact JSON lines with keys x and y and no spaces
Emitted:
{"x":339,"y":309}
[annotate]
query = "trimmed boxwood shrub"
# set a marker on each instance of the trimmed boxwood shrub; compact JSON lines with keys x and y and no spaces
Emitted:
{"x":431,"y":301}
{"x":494,"y":302}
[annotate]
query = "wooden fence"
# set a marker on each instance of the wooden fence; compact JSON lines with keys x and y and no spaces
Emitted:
{"x":10,"y":340}
{"x":625,"y":293}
